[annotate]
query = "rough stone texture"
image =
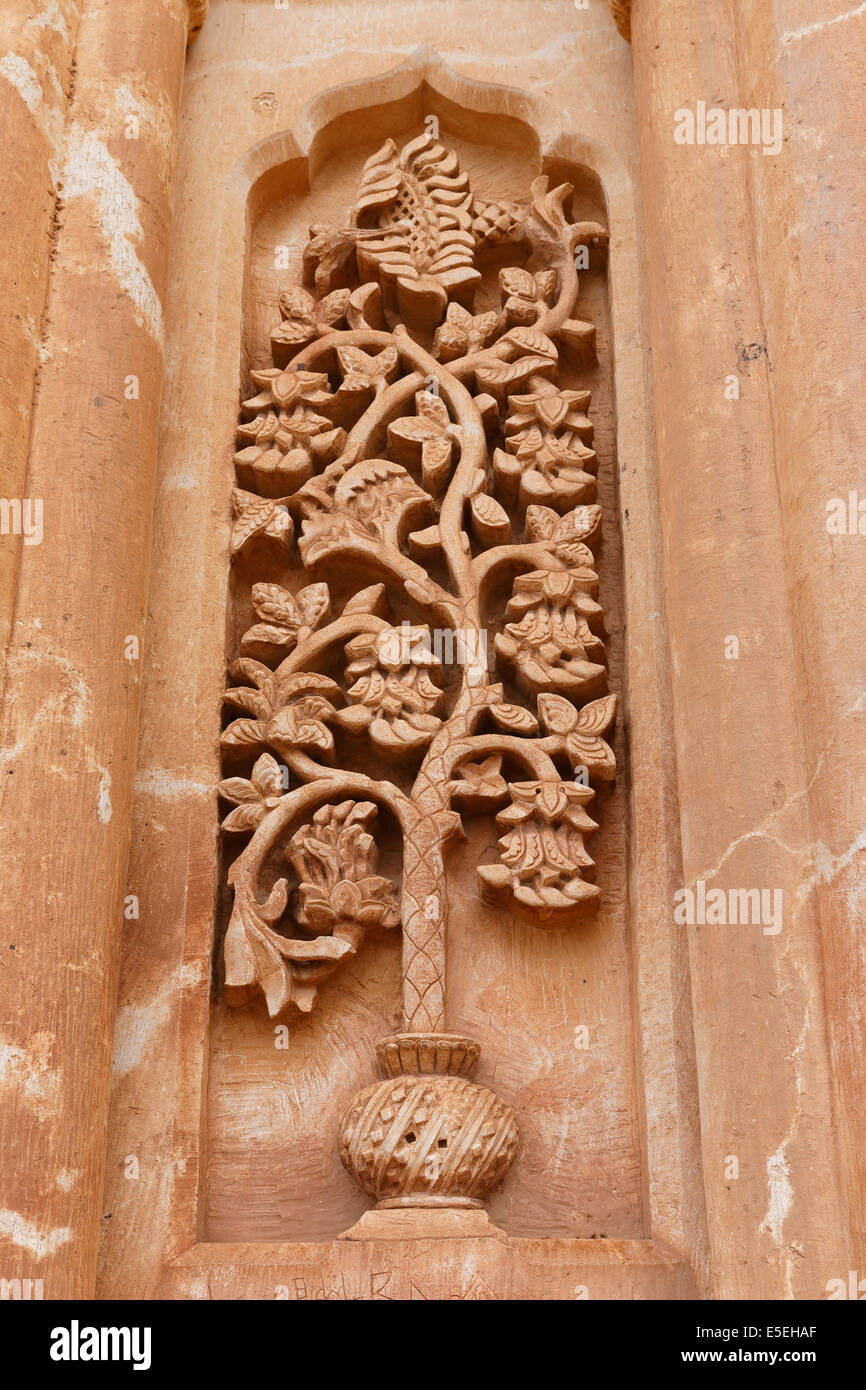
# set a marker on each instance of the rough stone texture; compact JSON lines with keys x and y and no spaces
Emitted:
{"x":709,"y":1043}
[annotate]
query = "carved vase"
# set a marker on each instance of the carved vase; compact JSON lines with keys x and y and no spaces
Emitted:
{"x":428,"y":1137}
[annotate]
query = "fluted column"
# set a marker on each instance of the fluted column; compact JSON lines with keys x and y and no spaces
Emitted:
{"x":69,"y":716}
{"x":809,"y":242}
{"x":771,"y":1173}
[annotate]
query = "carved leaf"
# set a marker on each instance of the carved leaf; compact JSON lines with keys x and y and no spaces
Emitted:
{"x":244,"y":818}
{"x":597,"y":716}
{"x":314,"y":604}
{"x":239,"y":790}
{"x":274,"y":604}
{"x":242,"y":732}
{"x":267,"y":777}
{"x":514,"y":718}
{"x":557,"y":715}
{"x":371,"y":600}
{"x":514,"y":280}
{"x":253,"y":701}
{"x":533,"y":341}
{"x":489,"y":520}
{"x":494,"y":375}
{"x":593,"y":753}
{"x":259,"y":516}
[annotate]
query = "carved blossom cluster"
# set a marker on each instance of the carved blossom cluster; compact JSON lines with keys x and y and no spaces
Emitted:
{"x":334,"y":859}
{"x":542,"y":856}
{"x":393,"y":696}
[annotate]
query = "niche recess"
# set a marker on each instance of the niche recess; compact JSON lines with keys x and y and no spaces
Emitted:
{"x":551,"y":1005}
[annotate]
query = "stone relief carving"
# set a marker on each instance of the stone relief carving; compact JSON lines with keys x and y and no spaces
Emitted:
{"x":409,"y":437}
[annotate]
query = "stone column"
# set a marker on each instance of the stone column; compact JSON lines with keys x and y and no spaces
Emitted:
{"x":810,"y":243}
{"x":36,"y":53}
{"x":775,"y":1209}
{"x":69,"y":718}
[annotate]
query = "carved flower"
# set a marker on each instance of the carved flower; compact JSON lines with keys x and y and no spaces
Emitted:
{"x":290,"y":713}
{"x":428,"y":436}
{"x":549,"y":645}
{"x":393,"y":696}
{"x":526,"y":296}
{"x":334,"y":860}
{"x":286,"y":619}
{"x":306,"y":318}
{"x":290,"y":437}
{"x":542,"y":855}
{"x":480,"y":785}
{"x":547,"y":458}
{"x":462,"y":332}
{"x":253,"y":799}
{"x":565,"y":537}
{"x":259,"y":516}
{"x":582,"y":730}
{"x":364,"y":371}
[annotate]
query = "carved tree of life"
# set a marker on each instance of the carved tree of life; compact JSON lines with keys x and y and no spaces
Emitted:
{"x":403,"y":435}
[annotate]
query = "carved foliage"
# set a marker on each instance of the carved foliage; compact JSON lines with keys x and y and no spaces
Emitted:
{"x":489,"y":468}
{"x":339,"y":898}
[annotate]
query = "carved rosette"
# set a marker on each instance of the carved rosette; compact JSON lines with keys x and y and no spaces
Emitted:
{"x":399,"y":436}
{"x":428,"y":1136}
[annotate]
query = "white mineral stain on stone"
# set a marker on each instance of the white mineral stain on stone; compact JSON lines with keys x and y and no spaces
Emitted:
{"x":18,"y":71}
{"x":90,"y":172}
{"x":28,"y":1237}
{"x":157,"y":783}
{"x":135,"y":1027}
{"x":179,"y":481}
{"x":50,"y":17}
{"x":138,"y":1023}
{"x":781,"y":1194}
{"x":794,"y":35}
{"x":828,"y":866}
{"x":25,"y":1071}
{"x":103,"y":805}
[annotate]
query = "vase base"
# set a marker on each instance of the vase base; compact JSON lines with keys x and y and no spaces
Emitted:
{"x":424,"y":1223}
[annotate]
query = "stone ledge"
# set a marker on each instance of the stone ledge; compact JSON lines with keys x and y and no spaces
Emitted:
{"x":497,"y":1267}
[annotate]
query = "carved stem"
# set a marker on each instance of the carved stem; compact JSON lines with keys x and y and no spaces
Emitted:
{"x":424,"y":904}
{"x":535,"y":754}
